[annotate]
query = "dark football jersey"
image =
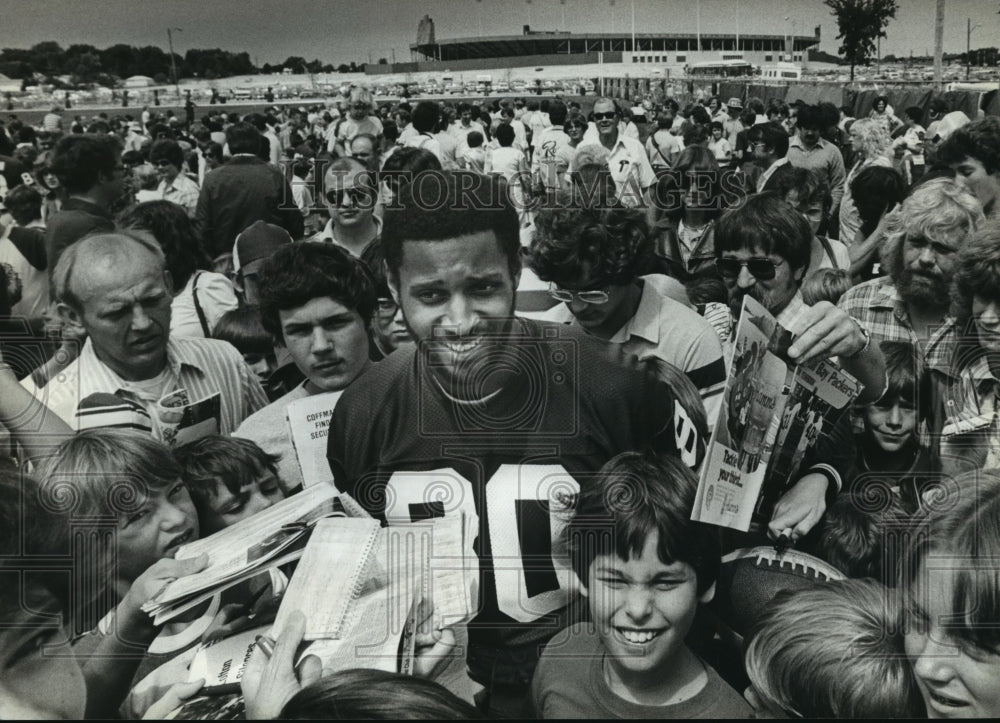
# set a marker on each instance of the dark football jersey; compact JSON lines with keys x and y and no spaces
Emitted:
{"x":406,"y":451}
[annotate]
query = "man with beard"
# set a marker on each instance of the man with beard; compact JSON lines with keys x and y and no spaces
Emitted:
{"x":912,"y":303}
{"x":762,"y":251}
{"x":499,"y":418}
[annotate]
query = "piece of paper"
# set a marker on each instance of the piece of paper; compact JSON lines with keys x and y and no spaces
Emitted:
{"x":309,"y":426}
{"x":330,"y":576}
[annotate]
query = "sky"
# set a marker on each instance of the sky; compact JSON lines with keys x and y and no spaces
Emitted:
{"x":339,"y":31}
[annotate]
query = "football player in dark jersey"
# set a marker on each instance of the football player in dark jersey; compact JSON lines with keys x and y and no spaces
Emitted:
{"x":499,"y":418}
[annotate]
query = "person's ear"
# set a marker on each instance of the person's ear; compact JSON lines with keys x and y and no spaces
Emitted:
{"x":798,"y":275}
{"x":708,"y":595}
{"x":392,"y":280}
{"x":168,"y":281}
{"x":70,"y":316}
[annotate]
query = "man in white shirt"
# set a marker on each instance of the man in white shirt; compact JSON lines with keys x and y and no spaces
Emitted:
{"x":465,"y":124}
{"x":627,"y":161}
{"x":520,"y":134}
{"x":553,"y":153}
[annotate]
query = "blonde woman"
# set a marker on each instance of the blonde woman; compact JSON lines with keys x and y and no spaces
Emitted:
{"x":872,"y":147}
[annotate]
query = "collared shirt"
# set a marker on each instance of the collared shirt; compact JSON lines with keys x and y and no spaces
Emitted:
{"x":666,"y":328}
{"x":629,"y":167}
{"x":792,"y":317}
{"x":328,"y":235}
{"x":183,"y":191}
{"x":878,"y":305}
{"x":823,"y":157}
{"x":201,"y":366}
{"x":766,"y":175}
{"x":970,"y":437}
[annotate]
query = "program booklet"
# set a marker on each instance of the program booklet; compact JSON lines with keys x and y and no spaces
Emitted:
{"x":773,"y":411}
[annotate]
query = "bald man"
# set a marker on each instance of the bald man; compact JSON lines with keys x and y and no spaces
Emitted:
{"x":117,"y":289}
{"x":350,"y":193}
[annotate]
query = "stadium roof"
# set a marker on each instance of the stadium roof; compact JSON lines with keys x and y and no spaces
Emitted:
{"x":540,"y":43}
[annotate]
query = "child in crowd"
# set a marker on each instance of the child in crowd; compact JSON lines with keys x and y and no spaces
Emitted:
{"x":825,"y":285}
{"x":856,"y":535}
{"x":243,"y":329}
{"x":387,"y":330}
{"x":474,"y":156}
{"x":719,"y":145}
{"x":132,"y":479}
{"x":229,"y":479}
{"x":644,"y":567}
{"x":832,"y":651}
{"x":889,"y":450}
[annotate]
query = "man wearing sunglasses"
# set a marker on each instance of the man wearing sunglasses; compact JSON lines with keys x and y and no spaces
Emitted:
{"x":349,"y":188}
{"x":491,"y":416}
{"x":763,"y":250}
{"x":592,"y":262}
{"x":627,"y":160}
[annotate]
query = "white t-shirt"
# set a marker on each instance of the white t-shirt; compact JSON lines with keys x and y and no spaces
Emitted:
{"x":215,"y":295}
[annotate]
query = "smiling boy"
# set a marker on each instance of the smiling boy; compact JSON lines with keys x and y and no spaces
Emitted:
{"x":644,"y":567}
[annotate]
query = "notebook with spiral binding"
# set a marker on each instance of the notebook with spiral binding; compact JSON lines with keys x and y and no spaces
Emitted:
{"x":330,"y":576}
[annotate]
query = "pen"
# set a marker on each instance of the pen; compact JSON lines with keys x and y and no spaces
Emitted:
{"x":265,"y":644}
{"x":225,"y":689}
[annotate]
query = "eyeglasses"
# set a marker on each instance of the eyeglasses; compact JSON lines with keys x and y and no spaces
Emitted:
{"x":359,"y":196}
{"x":760,"y":268}
{"x":611,"y":115}
{"x":359,"y":106}
{"x":387,"y":308}
{"x":595,"y":297}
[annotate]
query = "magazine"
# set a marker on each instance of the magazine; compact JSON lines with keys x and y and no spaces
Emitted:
{"x":773,"y":411}
{"x":183,"y":421}
{"x":270,"y":538}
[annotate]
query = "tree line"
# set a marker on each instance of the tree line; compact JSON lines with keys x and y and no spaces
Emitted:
{"x":88,"y":64}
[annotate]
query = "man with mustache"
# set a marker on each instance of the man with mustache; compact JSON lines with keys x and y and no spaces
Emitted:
{"x":920,"y":254}
{"x":762,"y":251}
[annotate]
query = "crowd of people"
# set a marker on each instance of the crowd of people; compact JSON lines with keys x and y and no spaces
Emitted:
{"x":499,"y":294}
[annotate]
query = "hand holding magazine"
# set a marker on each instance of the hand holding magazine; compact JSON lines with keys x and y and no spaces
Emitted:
{"x":240,"y":551}
{"x":772,"y":412}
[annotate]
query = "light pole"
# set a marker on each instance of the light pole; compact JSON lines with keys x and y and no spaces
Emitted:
{"x":173,"y":63}
{"x":969,"y":27}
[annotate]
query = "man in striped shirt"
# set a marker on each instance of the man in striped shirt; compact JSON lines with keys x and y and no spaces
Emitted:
{"x":116,"y":288}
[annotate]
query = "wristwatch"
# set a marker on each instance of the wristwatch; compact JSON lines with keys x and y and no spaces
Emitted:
{"x":868,"y":341}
